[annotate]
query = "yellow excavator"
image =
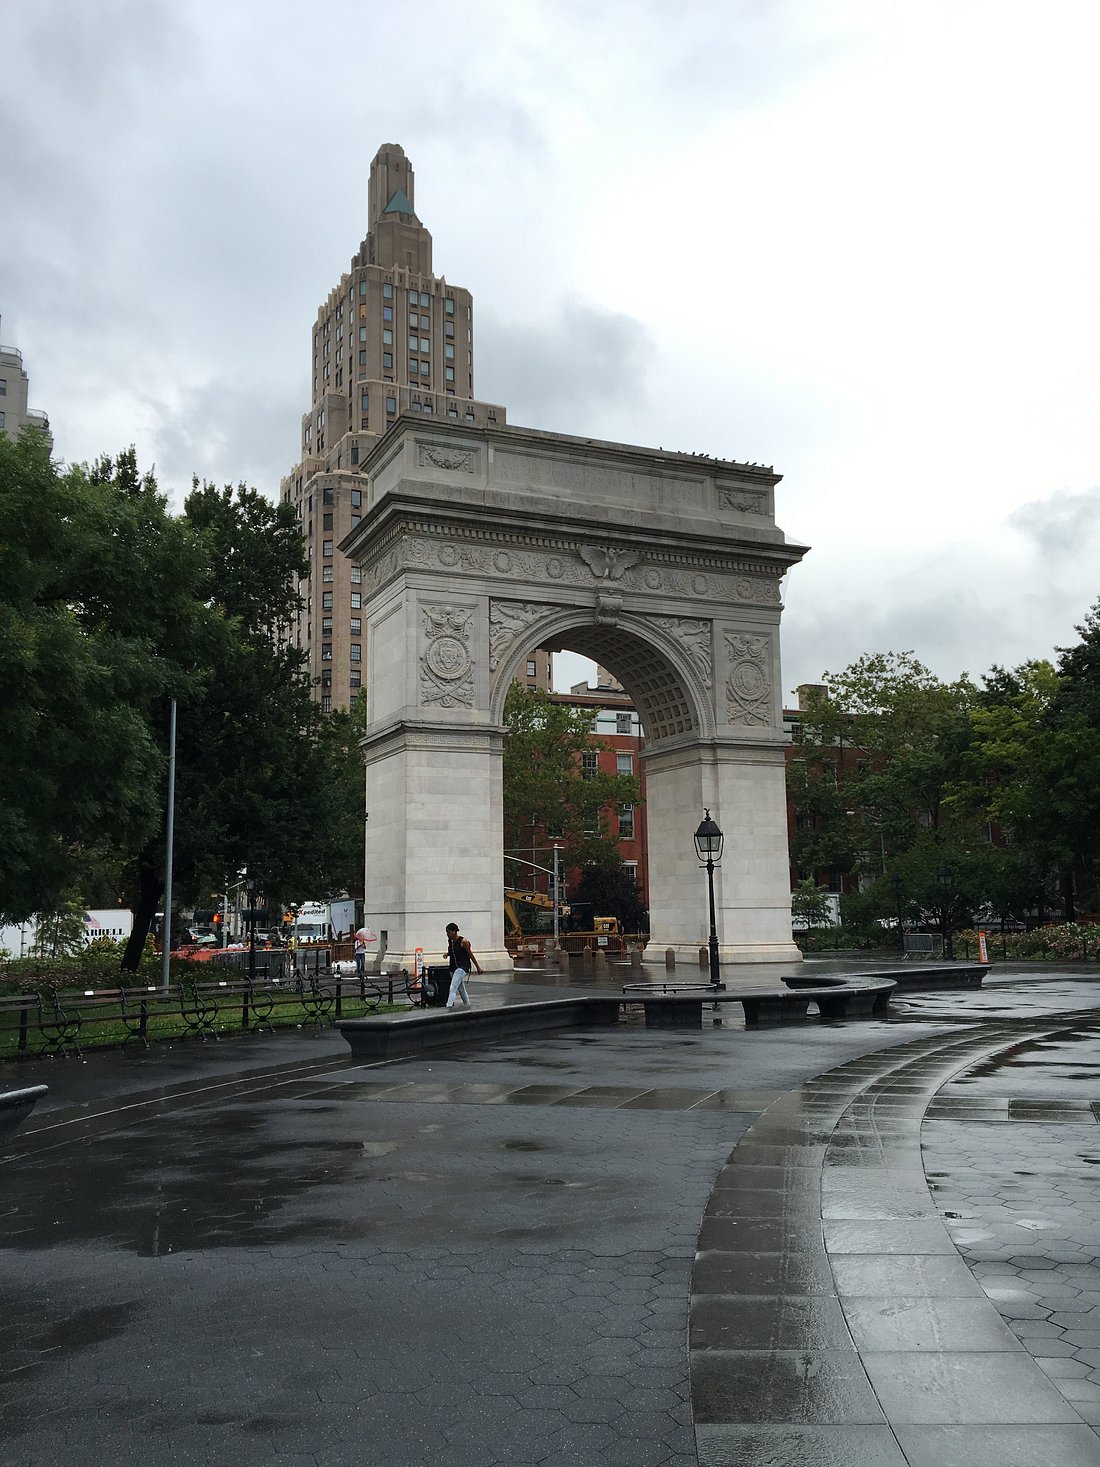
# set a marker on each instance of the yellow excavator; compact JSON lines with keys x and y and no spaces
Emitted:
{"x":530,"y":899}
{"x":601,"y":926}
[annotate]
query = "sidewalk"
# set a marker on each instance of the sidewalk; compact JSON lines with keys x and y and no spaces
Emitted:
{"x":258,"y":1252}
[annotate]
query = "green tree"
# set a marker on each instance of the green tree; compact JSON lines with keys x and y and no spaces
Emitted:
{"x":546,"y":789}
{"x":96,"y":582}
{"x":881,"y":763}
{"x":810,"y":903}
{"x":1073,"y":764}
{"x":264,"y":780}
{"x":611,"y":891}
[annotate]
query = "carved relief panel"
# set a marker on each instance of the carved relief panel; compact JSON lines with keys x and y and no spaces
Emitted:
{"x":507,"y":620}
{"x":749,"y":681}
{"x":446,"y":659}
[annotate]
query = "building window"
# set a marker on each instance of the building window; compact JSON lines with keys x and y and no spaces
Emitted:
{"x":449,"y":305}
{"x":631,"y":869}
{"x":469,"y":413}
{"x":624,"y":763}
{"x":326,"y":677}
{"x":532,"y":670}
{"x":356,"y":600}
{"x":326,"y":573}
{"x":326,"y":651}
{"x":326,"y":625}
{"x":362,"y":333}
{"x":3,"y":387}
{"x":387,"y":359}
{"x":590,"y":764}
{"x":450,"y":374}
{"x":448,"y":328}
{"x":449,"y":351}
{"x":452,"y":411}
{"x":356,"y":575}
{"x":387,"y":291}
{"x":387,"y":313}
{"x":626,"y":822}
{"x":326,"y":702}
{"x":387,"y":338}
{"x":356,"y":677}
{"x":355,"y":448}
{"x":326,"y":600}
{"x":326,"y":547}
{"x":425,"y":344}
{"x":357,"y":499}
{"x":412,"y":342}
{"x":326,"y":520}
{"x":362,"y":287}
{"x":356,"y":652}
{"x":356,"y":626}
{"x":623,"y":722}
{"x":391,"y":404}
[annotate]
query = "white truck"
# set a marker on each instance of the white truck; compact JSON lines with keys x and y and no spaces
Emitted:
{"x":323,"y":921}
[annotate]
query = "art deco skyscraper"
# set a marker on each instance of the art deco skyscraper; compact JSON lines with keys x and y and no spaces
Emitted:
{"x":392,"y":338}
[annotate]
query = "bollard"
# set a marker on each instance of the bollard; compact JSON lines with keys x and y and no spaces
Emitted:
{"x":704,"y":957}
{"x":670,"y":957}
{"x":636,"y":959}
{"x":599,"y":960}
{"x":587,"y":960}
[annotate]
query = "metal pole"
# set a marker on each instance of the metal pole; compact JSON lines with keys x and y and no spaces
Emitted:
{"x":714,"y":975}
{"x":555,"y":897}
{"x":166,"y":929}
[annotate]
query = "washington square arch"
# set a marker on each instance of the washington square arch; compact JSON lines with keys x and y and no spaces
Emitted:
{"x":478,"y":545}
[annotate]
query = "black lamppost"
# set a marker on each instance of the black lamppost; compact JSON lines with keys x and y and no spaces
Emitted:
{"x":708,"y":847}
{"x":895,"y":882}
{"x":250,"y":890}
{"x":944,"y":874}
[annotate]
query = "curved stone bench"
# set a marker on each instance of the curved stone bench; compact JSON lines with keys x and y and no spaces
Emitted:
{"x":836,"y":998}
{"x":401,"y":1035}
{"x":16,"y":1106}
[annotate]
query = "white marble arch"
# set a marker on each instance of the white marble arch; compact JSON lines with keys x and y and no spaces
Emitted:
{"x":477,"y":546}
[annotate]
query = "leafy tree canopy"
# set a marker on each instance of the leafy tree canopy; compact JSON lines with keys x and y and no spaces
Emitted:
{"x":546,"y":791}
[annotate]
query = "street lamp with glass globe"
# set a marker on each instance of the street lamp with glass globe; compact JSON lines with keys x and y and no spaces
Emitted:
{"x":708,"y":848}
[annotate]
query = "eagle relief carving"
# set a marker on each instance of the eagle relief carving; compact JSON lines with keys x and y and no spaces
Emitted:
{"x":749,"y":685}
{"x":447,"y":665}
{"x":607,"y":562}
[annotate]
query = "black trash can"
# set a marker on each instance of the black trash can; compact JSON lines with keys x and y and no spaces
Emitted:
{"x":436,"y":985}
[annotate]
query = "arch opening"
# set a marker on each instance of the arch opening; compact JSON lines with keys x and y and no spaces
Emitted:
{"x":667,"y":690}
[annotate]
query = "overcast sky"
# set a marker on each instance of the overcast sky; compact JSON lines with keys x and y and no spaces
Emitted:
{"x":856,"y":239}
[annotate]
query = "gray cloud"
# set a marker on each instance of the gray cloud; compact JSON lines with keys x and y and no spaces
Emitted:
{"x":1063,"y":524}
{"x":566,"y":371}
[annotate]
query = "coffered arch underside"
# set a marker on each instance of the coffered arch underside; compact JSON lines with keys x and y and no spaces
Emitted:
{"x":663,"y":663}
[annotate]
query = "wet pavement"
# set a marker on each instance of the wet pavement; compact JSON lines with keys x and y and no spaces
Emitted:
{"x":862,"y":1243}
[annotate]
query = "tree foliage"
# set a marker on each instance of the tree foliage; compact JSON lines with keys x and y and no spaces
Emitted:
{"x":110,"y":607}
{"x":546,"y":791}
{"x":976,"y":798}
{"x":612,"y":891}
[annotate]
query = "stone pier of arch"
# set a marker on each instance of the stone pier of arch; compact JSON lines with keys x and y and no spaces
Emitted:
{"x":477,"y":546}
